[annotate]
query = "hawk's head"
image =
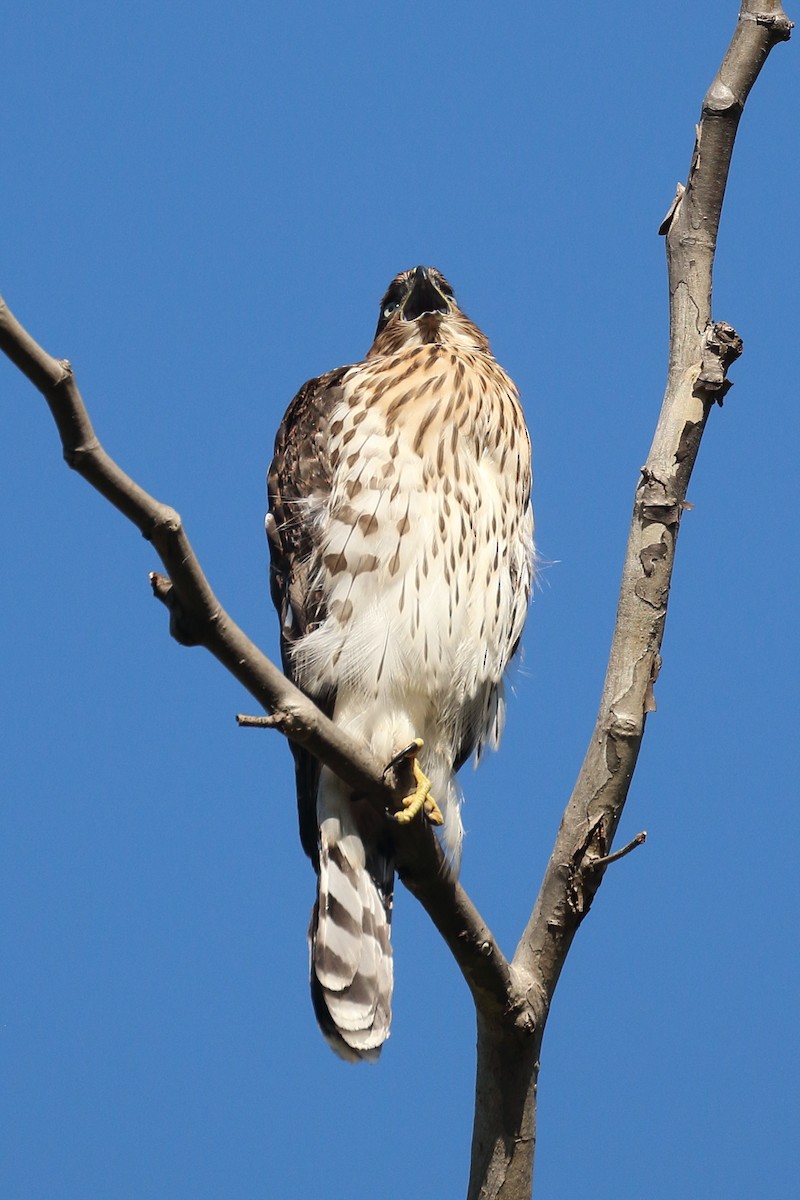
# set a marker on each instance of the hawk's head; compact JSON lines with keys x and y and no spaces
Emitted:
{"x":420,"y":308}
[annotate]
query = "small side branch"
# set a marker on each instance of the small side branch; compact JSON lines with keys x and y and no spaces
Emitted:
{"x":270,"y":722}
{"x":639,"y":840}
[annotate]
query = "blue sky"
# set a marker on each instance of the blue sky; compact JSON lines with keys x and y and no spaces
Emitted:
{"x":202,"y":205}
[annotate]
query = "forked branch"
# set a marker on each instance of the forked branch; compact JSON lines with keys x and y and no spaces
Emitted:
{"x":512,"y":999}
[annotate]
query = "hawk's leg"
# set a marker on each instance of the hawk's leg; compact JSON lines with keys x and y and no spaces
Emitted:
{"x":421,"y":797}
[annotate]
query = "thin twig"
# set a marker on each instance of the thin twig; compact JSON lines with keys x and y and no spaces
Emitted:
{"x":639,"y":840}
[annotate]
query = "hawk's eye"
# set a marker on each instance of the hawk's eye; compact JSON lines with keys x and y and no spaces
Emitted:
{"x":389,"y":308}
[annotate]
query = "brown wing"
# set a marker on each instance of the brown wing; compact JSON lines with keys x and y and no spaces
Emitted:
{"x":298,"y":482}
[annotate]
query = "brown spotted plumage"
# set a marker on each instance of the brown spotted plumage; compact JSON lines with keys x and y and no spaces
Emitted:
{"x":401,"y":539}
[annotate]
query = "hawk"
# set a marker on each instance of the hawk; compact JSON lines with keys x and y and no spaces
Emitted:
{"x":401,"y":540}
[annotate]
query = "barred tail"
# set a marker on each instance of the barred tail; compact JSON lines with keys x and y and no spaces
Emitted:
{"x":351,"y":952}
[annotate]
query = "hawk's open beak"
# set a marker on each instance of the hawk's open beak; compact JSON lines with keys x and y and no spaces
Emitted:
{"x":424,"y":297}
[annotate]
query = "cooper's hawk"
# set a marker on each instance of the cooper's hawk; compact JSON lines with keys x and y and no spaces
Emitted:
{"x":401,"y":539}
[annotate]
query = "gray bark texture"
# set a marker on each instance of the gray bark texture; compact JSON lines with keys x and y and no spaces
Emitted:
{"x":512,"y":999}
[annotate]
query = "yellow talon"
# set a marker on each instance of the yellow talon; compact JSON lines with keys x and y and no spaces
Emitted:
{"x":420,"y":798}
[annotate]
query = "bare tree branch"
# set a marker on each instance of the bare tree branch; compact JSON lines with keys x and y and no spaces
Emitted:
{"x":512,"y":999}
{"x":700,"y":353}
{"x":198,"y":619}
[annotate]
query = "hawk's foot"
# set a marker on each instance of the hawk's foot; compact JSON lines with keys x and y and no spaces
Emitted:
{"x":421,"y":797}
